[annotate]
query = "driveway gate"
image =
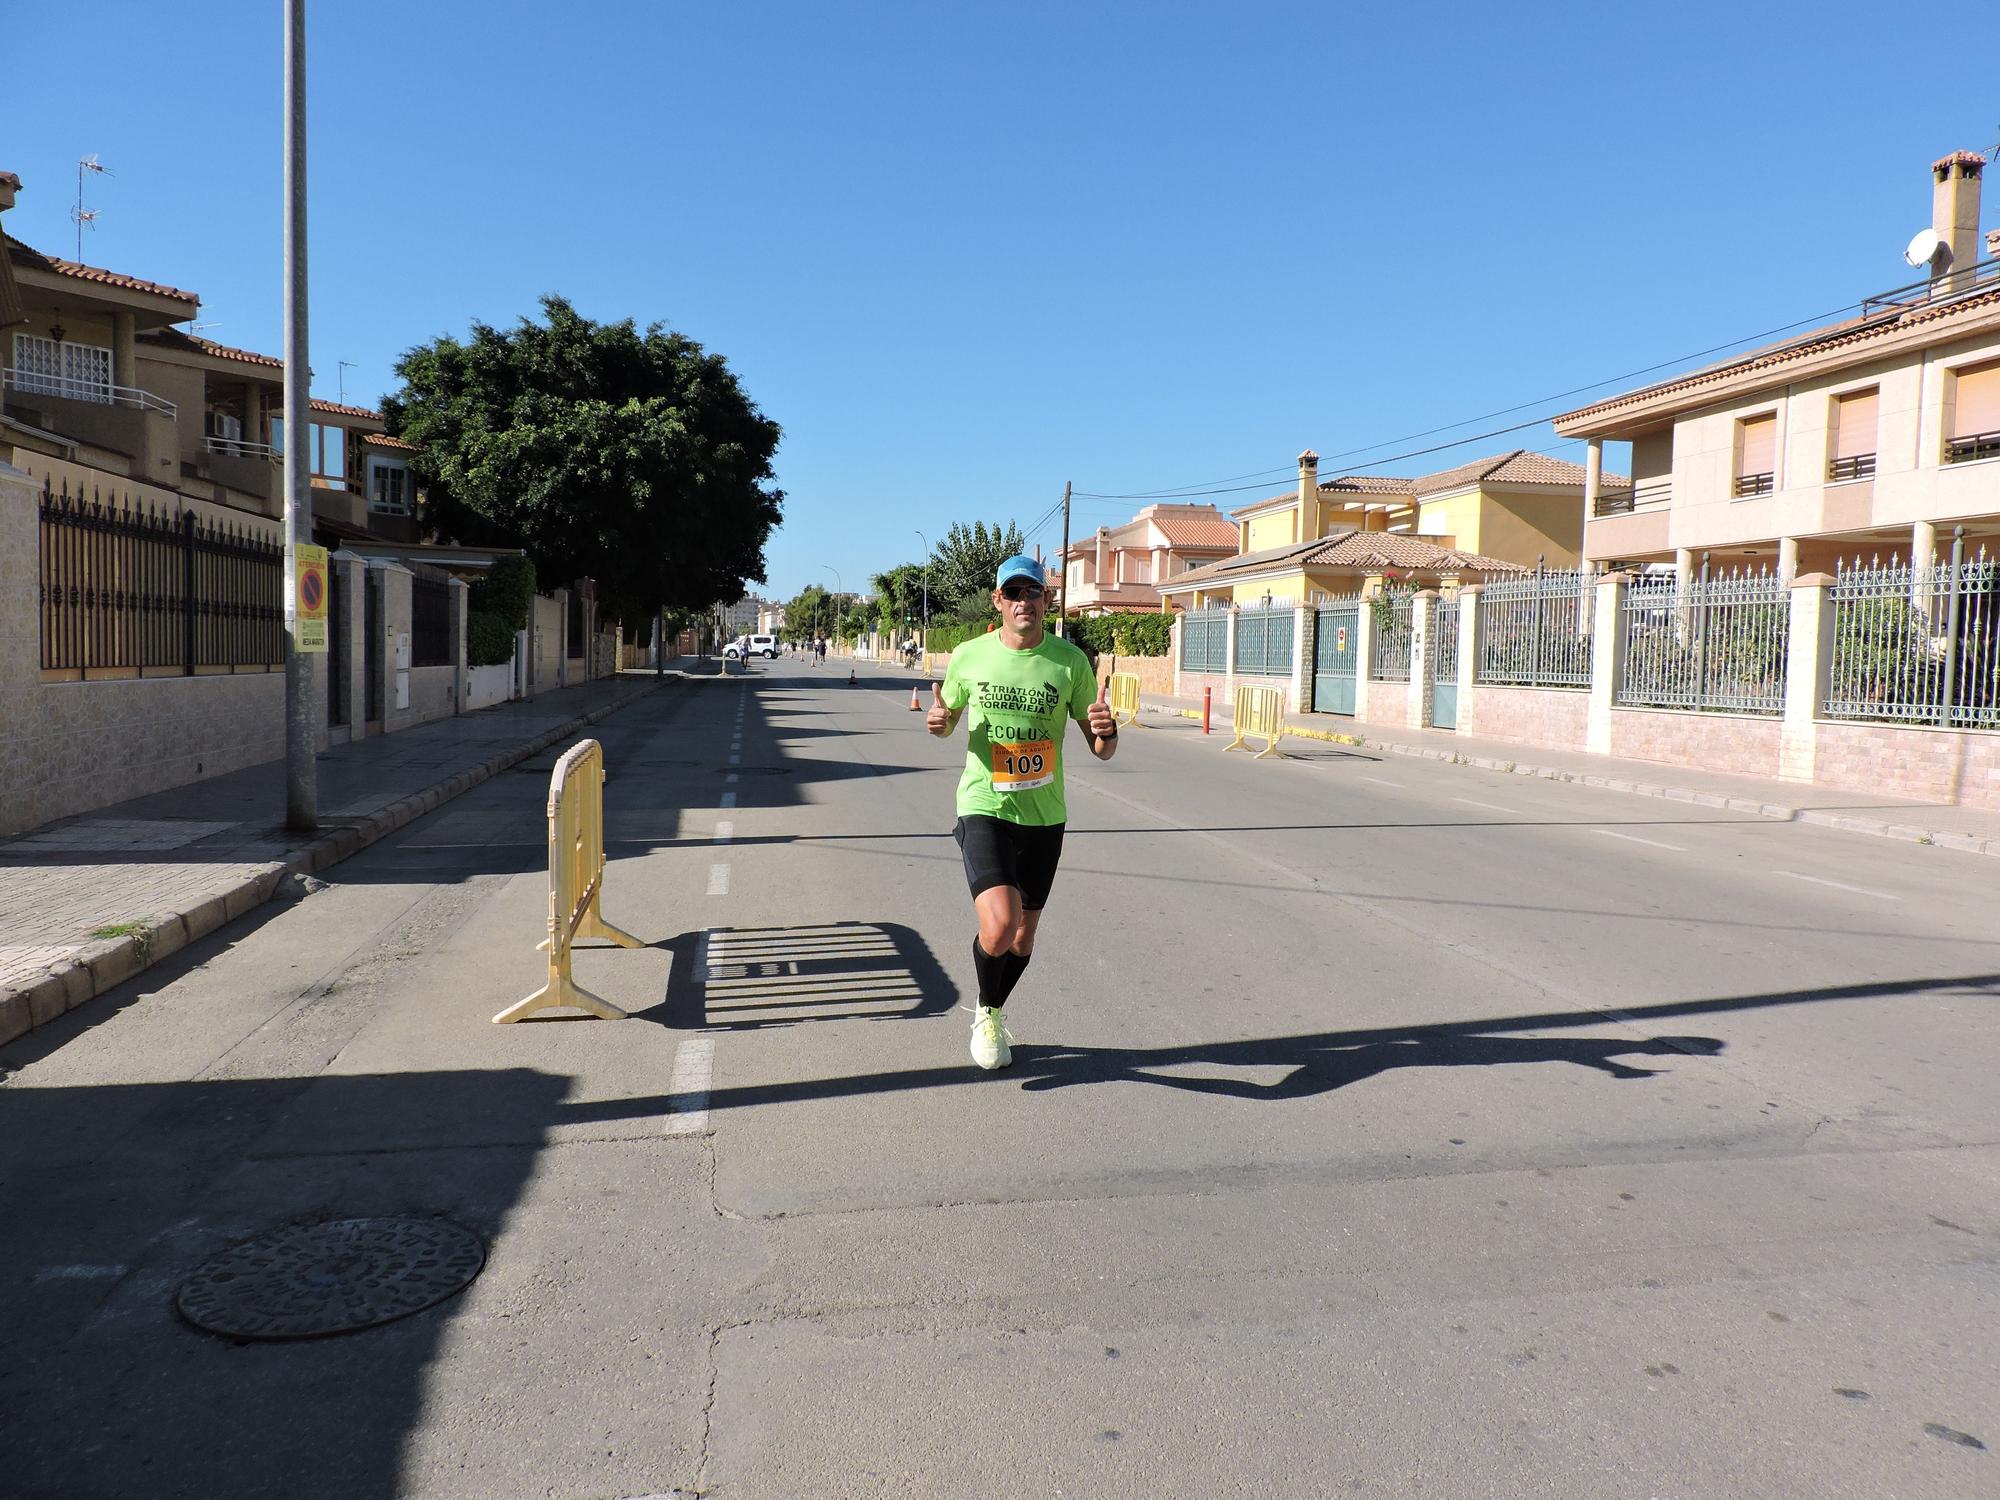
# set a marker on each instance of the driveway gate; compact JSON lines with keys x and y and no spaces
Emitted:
{"x":1444,"y":663}
{"x":1334,"y":657}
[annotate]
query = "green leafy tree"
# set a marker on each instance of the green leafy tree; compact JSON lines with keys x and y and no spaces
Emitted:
{"x":900,"y":597}
{"x":964,"y":564}
{"x":633,"y":457}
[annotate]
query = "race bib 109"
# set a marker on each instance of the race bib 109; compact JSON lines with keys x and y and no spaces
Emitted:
{"x":1023,"y":767}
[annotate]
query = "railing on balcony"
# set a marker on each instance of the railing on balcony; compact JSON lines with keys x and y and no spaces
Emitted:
{"x":1614,"y":503}
{"x":1981,"y":276}
{"x":1857,"y":466}
{"x":1974,"y":445}
{"x":32,"y":383}
{"x":1754,"y":484}
{"x":238,"y":448}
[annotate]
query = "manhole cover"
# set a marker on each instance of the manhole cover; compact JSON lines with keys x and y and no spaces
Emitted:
{"x":316,"y":1279}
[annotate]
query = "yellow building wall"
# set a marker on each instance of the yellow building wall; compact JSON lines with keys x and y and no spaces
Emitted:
{"x":1452,"y":521}
{"x":1523,"y":528}
{"x":1282,"y":591}
{"x":1279,"y":529}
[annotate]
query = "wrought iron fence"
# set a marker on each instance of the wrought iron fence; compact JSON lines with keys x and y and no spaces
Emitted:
{"x":1389,"y":646}
{"x":1918,"y":645}
{"x":1264,"y":641}
{"x":1204,"y":640}
{"x":1533,"y":630}
{"x":430,"y":621}
{"x":1716,"y":645}
{"x":125,"y":588}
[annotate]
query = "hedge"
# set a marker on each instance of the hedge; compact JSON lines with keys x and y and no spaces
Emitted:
{"x":488,"y":640}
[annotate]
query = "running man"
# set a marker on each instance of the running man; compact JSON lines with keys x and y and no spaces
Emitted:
{"x":1022,"y":685}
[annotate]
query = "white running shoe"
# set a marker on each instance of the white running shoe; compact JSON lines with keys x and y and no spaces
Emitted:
{"x":992,"y":1047}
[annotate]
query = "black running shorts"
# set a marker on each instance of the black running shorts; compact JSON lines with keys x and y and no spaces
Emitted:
{"x":998,"y":852}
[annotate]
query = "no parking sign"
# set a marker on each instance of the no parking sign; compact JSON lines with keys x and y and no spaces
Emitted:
{"x":312,"y":586}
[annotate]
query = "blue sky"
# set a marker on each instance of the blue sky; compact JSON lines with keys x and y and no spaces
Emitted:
{"x":963,"y":254}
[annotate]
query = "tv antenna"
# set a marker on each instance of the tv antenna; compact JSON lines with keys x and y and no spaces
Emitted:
{"x":345,"y":366}
{"x":85,"y":218}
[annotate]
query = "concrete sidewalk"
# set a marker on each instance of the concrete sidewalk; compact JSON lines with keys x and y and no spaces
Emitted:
{"x":1969,"y":830}
{"x":89,"y":901}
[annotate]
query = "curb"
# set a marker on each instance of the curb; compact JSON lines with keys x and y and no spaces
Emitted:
{"x":1963,"y":843}
{"x":112,"y":961}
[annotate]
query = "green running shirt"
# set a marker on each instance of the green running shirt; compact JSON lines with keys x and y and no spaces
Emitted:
{"x":1021,"y":703}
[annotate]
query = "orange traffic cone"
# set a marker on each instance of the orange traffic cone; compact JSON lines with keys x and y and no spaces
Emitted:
{"x":915,"y":707}
{"x":850,"y":677}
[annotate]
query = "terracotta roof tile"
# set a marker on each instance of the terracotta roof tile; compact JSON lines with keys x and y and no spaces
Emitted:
{"x":1367,"y":484}
{"x":1365,"y":550}
{"x":1196,"y":531}
{"x":187,"y":343}
{"x":334,"y":408}
{"x":34,"y":260}
{"x":383,"y":440}
{"x":1518,"y":467}
{"x":1957,"y":159}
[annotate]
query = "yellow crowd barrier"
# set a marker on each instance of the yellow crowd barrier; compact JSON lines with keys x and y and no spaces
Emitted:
{"x":1123,"y":696}
{"x":1259,"y":710}
{"x":576,"y":883}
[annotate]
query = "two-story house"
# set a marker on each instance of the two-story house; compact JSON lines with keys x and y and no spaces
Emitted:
{"x":1120,"y":570}
{"x":1877,"y":435}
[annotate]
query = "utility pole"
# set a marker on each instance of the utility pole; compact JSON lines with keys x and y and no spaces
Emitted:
{"x":301,"y":775}
{"x":1062,"y":567}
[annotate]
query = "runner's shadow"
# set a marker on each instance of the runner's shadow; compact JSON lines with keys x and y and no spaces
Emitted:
{"x":1322,"y":1069}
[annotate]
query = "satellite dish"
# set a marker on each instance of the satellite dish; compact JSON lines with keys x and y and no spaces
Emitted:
{"x":1926,"y":248}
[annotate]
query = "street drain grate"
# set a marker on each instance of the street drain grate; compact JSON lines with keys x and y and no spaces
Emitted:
{"x":317,"y":1279}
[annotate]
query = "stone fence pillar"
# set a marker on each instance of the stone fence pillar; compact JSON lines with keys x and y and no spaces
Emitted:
{"x":1467,"y":604}
{"x":1302,"y":646}
{"x":1607,"y":660}
{"x":1808,"y":674}
{"x":1423,"y":661}
{"x":1229,"y":658}
{"x":461,"y":682}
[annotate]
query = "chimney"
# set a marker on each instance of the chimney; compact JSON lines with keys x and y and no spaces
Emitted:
{"x":1308,"y":524}
{"x":1103,"y":554}
{"x":1955,"y":212}
{"x":9,"y":186}
{"x":10,"y":294}
{"x":1993,"y":244}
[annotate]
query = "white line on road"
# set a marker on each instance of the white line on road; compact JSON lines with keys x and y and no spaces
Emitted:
{"x":1380,"y":782}
{"x":724,"y":831}
{"x":694,"y":1067}
{"x":1838,"y":886}
{"x":1489,"y":806}
{"x":718,"y":880}
{"x":736,"y":760}
{"x":1633,"y":838}
{"x":729,"y":799}
{"x":730,"y":779}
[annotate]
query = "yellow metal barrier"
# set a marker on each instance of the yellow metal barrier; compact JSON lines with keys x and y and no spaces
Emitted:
{"x":1123,"y":697}
{"x":576,"y":883}
{"x":1259,"y":710}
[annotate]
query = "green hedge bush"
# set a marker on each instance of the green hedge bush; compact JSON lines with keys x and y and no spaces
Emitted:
{"x":489,"y":640}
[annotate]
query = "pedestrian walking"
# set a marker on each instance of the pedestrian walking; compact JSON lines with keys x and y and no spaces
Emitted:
{"x":1022,"y":686}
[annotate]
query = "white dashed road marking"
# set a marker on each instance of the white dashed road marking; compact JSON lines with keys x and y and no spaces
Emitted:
{"x":694,"y":1067}
{"x":1489,"y":806}
{"x":1380,"y":782}
{"x":724,"y":831}
{"x":1633,"y":838}
{"x":80,"y":1273}
{"x":729,"y":799}
{"x":718,"y":880}
{"x":1838,"y":886}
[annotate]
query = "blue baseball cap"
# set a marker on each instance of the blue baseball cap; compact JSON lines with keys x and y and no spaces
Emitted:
{"x":1019,"y":567}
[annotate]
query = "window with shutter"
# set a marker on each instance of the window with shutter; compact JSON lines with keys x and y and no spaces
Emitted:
{"x":1853,"y":435}
{"x":1975,"y":417}
{"x":1756,"y":454}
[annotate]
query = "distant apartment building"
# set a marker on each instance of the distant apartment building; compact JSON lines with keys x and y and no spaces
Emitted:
{"x":1877,"y":435}
{"x":1122,"y":567}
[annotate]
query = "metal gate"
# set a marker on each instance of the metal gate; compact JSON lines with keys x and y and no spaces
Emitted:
{"x":1444,"y":664}
{"x":336,"y":650}
{"x":372,"y":644}
{"x":1334,"y":655}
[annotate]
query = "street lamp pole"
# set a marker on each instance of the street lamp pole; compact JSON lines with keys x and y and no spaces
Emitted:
{"x":927,"y":592}
{"x":838,"y":589}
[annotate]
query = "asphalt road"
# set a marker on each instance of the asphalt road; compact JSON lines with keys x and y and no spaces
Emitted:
{"x":1377,"y":1127}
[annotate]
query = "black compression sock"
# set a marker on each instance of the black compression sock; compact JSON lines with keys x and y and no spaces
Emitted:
{"x":992,"y":971}
{"x":1012,"y":965}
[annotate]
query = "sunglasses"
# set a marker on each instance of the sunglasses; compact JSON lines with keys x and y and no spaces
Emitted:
{"x":1021,"y":591}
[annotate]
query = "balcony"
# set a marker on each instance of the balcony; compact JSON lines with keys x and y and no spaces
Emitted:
{"x":1859,"y":466}
{"x":32,"y":383}
{"x":1748,"y":485}
{"x":1972,"y":447}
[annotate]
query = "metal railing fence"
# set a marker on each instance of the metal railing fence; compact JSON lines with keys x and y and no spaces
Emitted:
{"x":1204,"y":640}
{"x":1716,"y":645}
{"x":97,"y":393}
{"x":1533,"y":630}
{"x":1918,"y":645}
{"x":1389,"y":647}
{"x":123,"y":588}
{"x":1264,"y":640}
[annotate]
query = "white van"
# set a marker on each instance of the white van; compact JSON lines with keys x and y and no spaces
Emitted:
{"x":763,"y":645}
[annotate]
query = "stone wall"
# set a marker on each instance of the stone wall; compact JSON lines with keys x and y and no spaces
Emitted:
{"x":1936,"y":764}
{"x":1388,"y":704}
{"x":1739,"y":743}
{"x":1155,"y":673}
{"x":1553,"y":717}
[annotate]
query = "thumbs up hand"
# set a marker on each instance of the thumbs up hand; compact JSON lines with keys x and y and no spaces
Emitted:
{"x":938,"y":719}
{"x":1099,"y":721}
